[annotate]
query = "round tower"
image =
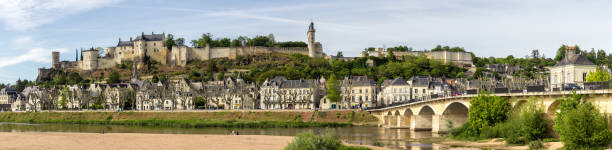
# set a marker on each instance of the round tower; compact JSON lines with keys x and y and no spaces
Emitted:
{"x":311,"y":40}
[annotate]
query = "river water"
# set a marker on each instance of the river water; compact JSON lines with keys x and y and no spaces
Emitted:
{"x":391,"y":138}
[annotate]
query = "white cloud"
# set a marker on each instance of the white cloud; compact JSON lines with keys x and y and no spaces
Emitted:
{"x":26,"y":14}
{"x":22,"y":40}
{"x":41,"y":55}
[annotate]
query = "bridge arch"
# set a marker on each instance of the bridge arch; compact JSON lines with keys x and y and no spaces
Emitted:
{"x":553,"y":108}
{"x":396,"y":119}
{"x":519,"y":103}
{"x":407,"y":118}
{"x":454,"y":115}
{"x":423,"y":119}
{"x":388,"y":118}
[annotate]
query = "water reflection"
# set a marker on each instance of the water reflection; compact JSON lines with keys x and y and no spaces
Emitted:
{"x":391,"y":138}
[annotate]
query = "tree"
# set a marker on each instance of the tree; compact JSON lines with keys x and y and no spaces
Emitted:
{"x":155,"y":79}
{"x":170,"y":41}
{"x":599,"y":75}
{"x":220,"y":76}
{"x":114,"y":77}
{"x":486,"y":110}
{"x":339,"y":54}
{"x":180,"y":41}
{"x":580,"y":124}
{"x":333,"y":89}
{"x":101,"y":52}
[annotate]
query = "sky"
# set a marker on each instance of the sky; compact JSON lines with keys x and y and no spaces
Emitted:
{"x":31,"y":29}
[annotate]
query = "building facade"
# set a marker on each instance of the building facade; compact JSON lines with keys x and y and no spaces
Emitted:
{"x":572,"y":69}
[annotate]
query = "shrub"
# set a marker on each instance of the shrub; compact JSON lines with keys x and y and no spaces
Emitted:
{"x":486,"y":110}
{"x":329,"y":141}
{"x":580,"y":125}
{"x":536,"y":145}
{"x":525,"y":124}
{"x":378,"y":144}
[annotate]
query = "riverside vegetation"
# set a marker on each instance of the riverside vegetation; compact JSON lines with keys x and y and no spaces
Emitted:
{"x":328,"y":141}
{"x":578,"y":123}
{"x":249,"y":119}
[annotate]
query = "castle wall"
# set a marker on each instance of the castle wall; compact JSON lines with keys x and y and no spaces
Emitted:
{"x":220,"y":52}
{"x":124,"y":53}
{"x":106,"y":63}
{"x":179,"y":56}
{"x":198,"y":53}
{"x":90,"y":60}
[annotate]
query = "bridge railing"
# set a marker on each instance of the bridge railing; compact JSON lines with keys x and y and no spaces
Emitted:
{"x":551,"y":93}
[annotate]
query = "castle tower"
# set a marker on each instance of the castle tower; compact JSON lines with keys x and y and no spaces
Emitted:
{"x":311,"y":40}
{"x":55,"y":60}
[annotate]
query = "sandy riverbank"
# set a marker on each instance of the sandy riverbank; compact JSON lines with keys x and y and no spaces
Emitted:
{"x":79,"y":141}
{"x":496,"y":144}
{"x":132,"y":141}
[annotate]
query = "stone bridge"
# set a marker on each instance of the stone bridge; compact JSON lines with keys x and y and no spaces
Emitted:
{"x":440,"y":113}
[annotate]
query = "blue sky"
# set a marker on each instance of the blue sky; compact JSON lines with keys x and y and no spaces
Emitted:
{"x":31,"y":29}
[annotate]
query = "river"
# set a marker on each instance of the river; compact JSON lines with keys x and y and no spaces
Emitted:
{"x":391,"y":138}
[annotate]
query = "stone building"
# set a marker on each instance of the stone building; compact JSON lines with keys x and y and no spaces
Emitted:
{"x":572,"y":69}
{"x":463,"y":59}
{"x":358,"y":92}
{"x":8,"y":96}
{"x":420,"y":87}
{"x":394,"y":91}
{"x":280,"y":93}
{"x":153,"y":46}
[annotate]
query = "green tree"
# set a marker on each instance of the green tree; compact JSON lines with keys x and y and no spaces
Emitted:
{"x":220,"y":76}
{"x":580,"y":124}
{"x":180,"y":41}
{"x":527,"y":123}
{"x":333,"y":89}
{"x":155,"y":78}
{"x":486,"y":110}
{"x":170,"y":41}
{"x":114,"y":77}
{"x":599,"y":75}
{"x":199,"y":103}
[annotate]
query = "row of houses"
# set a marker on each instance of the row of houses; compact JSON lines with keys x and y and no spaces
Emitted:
{"x":231,"y":93}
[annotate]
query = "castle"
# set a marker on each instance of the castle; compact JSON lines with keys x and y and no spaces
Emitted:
{"x":154,"y":47}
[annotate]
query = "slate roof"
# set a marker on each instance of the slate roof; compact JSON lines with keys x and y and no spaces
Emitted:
{"x":420,"y":81}
{"x":358,"y":81}
{"x":576,"y":59}
{"x":297,"y":83}
{"x":311,"y":27}
{"x":152,"y":37}
{"x":399,"y":81}
{"x":125,"y":43}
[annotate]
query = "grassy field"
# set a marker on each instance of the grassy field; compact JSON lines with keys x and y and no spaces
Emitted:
{"x":247,"y":119}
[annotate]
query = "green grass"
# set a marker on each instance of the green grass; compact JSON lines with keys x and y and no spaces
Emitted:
{"x":173,"y":119}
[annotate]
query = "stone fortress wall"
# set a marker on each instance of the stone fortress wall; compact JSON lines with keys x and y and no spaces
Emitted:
{"x":153,"y":46}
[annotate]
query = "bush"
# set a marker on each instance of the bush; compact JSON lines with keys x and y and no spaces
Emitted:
{"x":329,"y":141}
{"x":527,"y":123}
{"x":580,"y":125}
{"x":536,"y":145}
{"x":486,"y":110}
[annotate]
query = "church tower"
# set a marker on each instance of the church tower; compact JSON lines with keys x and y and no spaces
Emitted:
{"x":311,"y":41}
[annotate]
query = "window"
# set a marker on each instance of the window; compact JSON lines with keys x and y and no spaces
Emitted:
{"x":366,"y":90}
{"x":359,"y":91}
{"x":424,"y":91}
{"x":416,"y":91}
